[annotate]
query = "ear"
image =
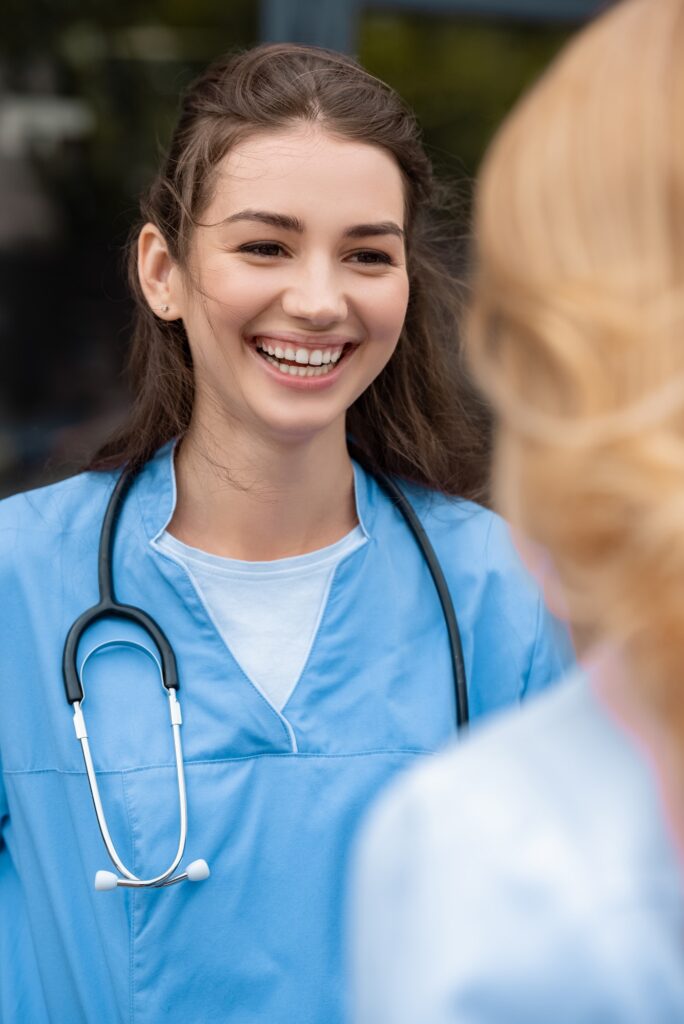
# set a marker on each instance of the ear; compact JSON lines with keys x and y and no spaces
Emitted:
{"x":159,"y":276}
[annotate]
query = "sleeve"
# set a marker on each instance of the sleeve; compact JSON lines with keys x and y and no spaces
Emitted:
{"x":514,"y":647}
{"x":552,"y":654}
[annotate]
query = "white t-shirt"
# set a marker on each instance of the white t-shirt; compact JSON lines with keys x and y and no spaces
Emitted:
{"x":267,"y":612}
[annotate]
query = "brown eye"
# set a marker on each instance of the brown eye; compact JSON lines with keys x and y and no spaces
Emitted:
{"x":263,"y":249}
{"x":372,"y":258}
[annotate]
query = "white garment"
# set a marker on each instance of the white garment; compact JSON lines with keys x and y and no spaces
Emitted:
{"x":267,"y":612}
{"x":526,"y":876}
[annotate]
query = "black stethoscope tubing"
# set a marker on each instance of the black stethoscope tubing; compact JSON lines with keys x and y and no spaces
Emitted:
{"x":395,"y":493}
{"x":109,"y":606}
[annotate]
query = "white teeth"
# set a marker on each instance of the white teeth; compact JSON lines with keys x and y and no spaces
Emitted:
{"x":303,"y":356}
{"x":301,"y":371}
{"x":309,"y":362}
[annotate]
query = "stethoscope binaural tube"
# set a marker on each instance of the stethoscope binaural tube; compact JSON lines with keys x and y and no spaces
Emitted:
{"x":397,"y":496}
{"x":108,"y":606}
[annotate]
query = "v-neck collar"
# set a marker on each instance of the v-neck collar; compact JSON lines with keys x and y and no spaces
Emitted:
{"x":157,"y":494}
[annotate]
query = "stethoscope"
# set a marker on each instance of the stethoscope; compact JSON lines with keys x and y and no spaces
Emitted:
{"x":108,"y":605}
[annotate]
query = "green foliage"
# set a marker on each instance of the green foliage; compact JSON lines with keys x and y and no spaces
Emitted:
{"x":129,"y":61}
{"x":460,"y":76}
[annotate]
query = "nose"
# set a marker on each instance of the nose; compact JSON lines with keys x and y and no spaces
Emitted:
{"x":314,"y":294}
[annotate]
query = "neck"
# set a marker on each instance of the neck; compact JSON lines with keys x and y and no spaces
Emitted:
{"x":261,"y":499}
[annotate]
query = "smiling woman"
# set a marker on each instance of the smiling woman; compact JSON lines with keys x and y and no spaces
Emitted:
{"x":288,"y":298}
{"x":322,"y":154}
{"x":300,"y":251}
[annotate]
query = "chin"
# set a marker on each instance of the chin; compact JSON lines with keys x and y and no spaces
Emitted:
{"x":299,"y":425}
{"x":298,"y":431}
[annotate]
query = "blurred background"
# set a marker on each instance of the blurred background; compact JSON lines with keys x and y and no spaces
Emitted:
{"x":88,"y":96}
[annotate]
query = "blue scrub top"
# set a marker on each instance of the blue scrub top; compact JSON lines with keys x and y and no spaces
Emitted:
{"x":274,"y":798}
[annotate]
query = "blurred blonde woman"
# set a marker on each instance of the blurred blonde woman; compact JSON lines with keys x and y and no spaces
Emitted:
{"x":534,"y":874}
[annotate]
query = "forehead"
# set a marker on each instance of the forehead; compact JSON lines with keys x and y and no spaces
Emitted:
{"x":311,"y":174}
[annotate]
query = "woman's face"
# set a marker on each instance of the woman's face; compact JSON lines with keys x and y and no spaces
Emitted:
{"x":297,"y":286}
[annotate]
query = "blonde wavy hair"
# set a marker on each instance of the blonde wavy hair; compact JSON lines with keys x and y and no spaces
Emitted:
{"x":576,"y":330}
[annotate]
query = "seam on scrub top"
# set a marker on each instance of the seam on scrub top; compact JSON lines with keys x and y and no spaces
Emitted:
{"x":526,"y":680}
{"x":148,"y":525}
{"x":321,"y":616}
{"x":286,"y":754}
{"x":196,"y":591}
{"x":132,"y":828}
{"x":187,"y":573}
{"x":359,"y":472}
{"x":517,"y":587}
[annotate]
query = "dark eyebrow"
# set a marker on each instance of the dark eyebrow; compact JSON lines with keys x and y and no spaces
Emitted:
{"x":385,"y":227}
{"x":275,"y":220}
{"x":287,"y":223}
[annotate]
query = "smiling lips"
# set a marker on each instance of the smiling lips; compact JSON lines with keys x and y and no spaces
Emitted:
{"x":298,"y":361}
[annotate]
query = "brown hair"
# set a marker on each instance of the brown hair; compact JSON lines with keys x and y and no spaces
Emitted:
{"x":577,"y":332}
{"x":420,"y":418}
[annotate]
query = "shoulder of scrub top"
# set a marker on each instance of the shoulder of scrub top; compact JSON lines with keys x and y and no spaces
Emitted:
{"x":31,"y":521}
{"x":476,"y":552}
{"x":499,"y":874}
{"x":484,"y":533}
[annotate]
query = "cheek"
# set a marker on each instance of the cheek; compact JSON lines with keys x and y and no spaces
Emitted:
{"x":235,"y":295}
{"x":386,"y":311}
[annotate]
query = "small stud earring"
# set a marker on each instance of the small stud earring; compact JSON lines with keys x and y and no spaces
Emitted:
{"x":164,"y":309}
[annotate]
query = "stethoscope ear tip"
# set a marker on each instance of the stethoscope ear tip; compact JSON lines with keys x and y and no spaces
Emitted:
{"x":105,"y":881}
{"x":197,"y":871}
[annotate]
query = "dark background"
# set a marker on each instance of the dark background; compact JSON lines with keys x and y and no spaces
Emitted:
{"x":88,"y":94}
